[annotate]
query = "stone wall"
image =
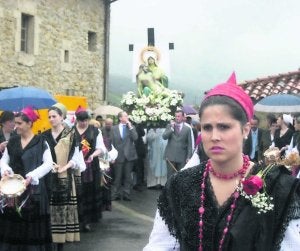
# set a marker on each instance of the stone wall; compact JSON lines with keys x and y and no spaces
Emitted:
{"x":59,"y":26}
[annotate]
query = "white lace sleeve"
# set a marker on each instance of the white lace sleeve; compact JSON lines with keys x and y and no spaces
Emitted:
{"x":4,"y":163}
{"x":291,"y":240}
{"x":100,"y":143}
{"x":160,"y":238}
{"x":78,"y":160}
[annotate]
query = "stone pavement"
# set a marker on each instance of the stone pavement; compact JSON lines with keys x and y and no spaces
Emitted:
{"x":126,"y":227}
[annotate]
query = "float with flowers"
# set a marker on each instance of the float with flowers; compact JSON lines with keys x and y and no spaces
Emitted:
{"x":154,"y":104}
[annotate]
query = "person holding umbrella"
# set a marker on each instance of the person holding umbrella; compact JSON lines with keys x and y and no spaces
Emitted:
{"x":28,"y":155}
{"x":284,"y":134}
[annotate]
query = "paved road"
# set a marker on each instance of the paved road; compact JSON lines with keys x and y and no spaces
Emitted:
{"x":126,"y":227}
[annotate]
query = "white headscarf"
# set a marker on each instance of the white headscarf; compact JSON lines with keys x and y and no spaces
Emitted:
{"x":287,"y":118}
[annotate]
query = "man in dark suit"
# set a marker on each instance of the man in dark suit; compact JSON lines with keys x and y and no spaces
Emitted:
{"x":179,"y":147}
{"x":252,"y":143}
{"x":267,"y":138}
{"x":123,"y":137}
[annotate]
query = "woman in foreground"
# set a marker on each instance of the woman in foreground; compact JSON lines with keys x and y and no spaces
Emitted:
{"x":227,"y":203}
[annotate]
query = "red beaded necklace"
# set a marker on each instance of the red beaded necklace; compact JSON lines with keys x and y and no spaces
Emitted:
{"x":236,"y":194}
{"x":222,"y":176}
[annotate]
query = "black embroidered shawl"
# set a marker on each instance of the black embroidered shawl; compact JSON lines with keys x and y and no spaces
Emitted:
{"x":180,"y":200}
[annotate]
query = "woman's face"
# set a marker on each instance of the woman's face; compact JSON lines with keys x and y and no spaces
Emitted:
{"x":222,"y":135}
{"x":54,"y":118}
{"x":151,"y":61}
{"x":22,"y":127}
{"x":83,"y":123}
{"x":9,"y":125}
{"x":279,"y":121}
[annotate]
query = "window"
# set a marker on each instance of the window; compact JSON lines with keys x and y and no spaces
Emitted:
{"x":27,"y":33}
{"x":66,"y":56}
{"x":92,"y":41}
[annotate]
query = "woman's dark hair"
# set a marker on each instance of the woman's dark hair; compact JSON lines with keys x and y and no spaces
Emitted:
{"x":23,"y":117}
{"x":6,"y":116}
{"x":81,"y":116}
{"x":236,"y":111}
{"x":271,"y":118}
{"x":53,"y":108}
{"x":272,"y":121}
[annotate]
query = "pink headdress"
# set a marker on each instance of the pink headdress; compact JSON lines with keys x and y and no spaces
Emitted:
{"x":79,"y":109}
{"x":31,"y":114}
{"x":232,"y":90}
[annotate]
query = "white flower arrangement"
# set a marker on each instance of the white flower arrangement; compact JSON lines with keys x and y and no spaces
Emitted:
{"x":261,"y":201}
{"x":154,"y":110}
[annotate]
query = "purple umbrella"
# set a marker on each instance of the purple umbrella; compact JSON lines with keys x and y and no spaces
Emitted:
{"x":189,"y":110}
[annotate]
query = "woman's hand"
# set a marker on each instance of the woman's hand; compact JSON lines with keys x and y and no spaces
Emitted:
{"x":284,"y":148}
{"x":6,"y":173}
{"x":62,"y":169}
{"x":28,"y":181}
{"x":3,"y":145}
{"x":90,"y":159}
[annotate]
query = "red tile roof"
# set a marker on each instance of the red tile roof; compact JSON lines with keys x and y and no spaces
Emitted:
{"x":266,"y":86}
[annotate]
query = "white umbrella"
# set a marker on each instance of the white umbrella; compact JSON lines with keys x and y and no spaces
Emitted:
{"x":107,"y":110}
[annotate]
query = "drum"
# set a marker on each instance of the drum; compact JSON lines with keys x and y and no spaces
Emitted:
{"x":12,"y":186}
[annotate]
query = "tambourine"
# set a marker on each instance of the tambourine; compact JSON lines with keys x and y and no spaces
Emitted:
{"x":12,"y":186}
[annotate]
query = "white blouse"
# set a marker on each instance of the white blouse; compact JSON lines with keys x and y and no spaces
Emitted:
{"x":161,"y":240}
{"x":35,"y":174}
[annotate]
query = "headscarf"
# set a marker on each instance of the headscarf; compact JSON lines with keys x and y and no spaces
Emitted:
{"x":287,"y":119}
{"x":31,"y":114}
{"x":232,"y":90}
{"x":62,"y":108}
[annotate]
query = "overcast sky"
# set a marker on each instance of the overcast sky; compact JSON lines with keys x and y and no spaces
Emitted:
{"x":256,"y":38}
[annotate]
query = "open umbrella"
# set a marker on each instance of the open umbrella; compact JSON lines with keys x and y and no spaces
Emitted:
{"x":189,"y":110}
{"x":107,"y":110}
{"x":279,"y":103}
{"x":15,"y":99}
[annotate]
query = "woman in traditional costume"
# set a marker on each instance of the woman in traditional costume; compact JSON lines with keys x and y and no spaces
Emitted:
{"x":284,"y":134}
{"x":228,"y":202}
{"x":26,"y":225}
{"x":69,"y":163}
{"x":92,"y":146}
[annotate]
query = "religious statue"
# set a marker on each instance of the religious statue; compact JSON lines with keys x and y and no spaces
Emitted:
{"x":150,"y":78}
{"x":157,"y":72}
{"x":147,"y":84}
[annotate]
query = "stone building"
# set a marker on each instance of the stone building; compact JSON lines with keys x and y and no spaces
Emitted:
{"x":58,"y":45}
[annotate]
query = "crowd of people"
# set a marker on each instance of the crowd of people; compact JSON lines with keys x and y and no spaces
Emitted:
{"x":235,"y":198}
{"x":214,"y":176}
{"x":59,"y":169}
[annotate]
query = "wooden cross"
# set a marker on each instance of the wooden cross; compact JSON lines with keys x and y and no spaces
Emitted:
{"x":151,"y":40}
